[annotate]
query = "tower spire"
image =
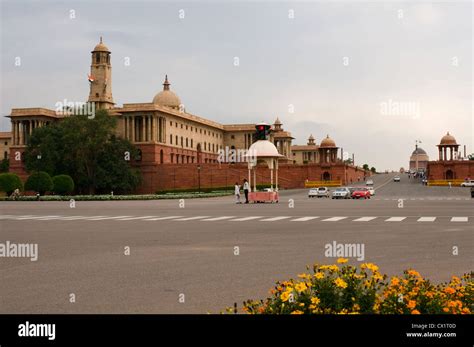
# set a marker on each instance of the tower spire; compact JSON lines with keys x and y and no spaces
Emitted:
{"x":166,"y":84}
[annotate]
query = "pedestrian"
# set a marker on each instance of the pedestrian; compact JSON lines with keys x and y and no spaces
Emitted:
{"x":237,"y":193}
{"x":246,"y":191}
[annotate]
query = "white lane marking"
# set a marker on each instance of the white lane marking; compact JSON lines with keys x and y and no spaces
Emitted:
{"x":217,"y":218}
{"x":36,"y":217}
{"x":50,"y":217}
{"x":334,"y":219}
{"x":11,"y":216}
{"x":243,"y":219}
{"x":459,"y":219}
{"x":395,"y":219}
{"x":303,"y":219}
{"x":191,"y":218}
{"x":72,"y":217}
{"x":135,"y":218}
{"x":274,"y":219}
{"x":426,"y":219}
{"x":163,"y":218}
{"x":364,"y":219}
{"x":106,"y":217}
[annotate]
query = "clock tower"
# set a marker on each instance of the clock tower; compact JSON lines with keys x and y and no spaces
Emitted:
{"x":100,"y":78}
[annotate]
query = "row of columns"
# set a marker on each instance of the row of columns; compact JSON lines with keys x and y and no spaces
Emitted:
{"x":283,"y":147}
{"x":443,"y":152}
{"x":22,"y":129}
{"x":146,"y":128}
{"x":328,"y":155}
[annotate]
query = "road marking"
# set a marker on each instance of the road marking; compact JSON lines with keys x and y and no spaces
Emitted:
{"x":303,"y":219}
{"x":364,"y":219}
{"x":334,"y":219}
{"x":11,"y":216}
{"x":459,"y":219}
{"x":191,"y":218}
{"x":243,"y":219}
{"x":72,"y":217}
{"x":35,"y":217}
{"x":395,"y":219}
{"x":426,"y":219}
{"x":217,"y":218}
{"x":163,"y":218}
{"x":106,"y":218}
{"x":135,"y":218}
{"x":49,"y":217}
{"x":274,"y":219}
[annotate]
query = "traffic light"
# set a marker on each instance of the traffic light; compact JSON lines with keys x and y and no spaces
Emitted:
{"x":263,"y":131}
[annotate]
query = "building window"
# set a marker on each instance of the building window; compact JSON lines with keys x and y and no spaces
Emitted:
{"x":232,"y":137}
{"x":171,"y":139}
{"x":6,"y":143}
{"x":191,"y":128}
{"x":171,"y":123}
{"x":181,"y":141}
{"x":97,"y":58}
{"x":176,"y":138}
{"x":5,"y":155}
{"x":187,"y":144}
{"x":191,"y":143}
{"x":181,"y":125}
{"x":200,"y":131}
{"x":176,"y":123}
{"x":186,"y":127}
{"x":205,"y":146}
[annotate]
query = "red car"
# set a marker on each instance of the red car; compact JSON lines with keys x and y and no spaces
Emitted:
{"x":360,"y":193}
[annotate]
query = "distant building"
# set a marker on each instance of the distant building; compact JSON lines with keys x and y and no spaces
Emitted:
{"x":5,"y":143}
{"x":418,"y":160}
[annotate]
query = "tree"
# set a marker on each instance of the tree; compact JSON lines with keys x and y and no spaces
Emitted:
{"x":365,"y":167}
{"x":4,"y":165}
{"x":63,"y":184}
{"x":373,"y":169}
{"x":40,"y":182}
{"x":9,"y":182}
{"x":85,"y":149}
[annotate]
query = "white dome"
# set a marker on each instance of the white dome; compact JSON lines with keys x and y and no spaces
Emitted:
{"x":263,"y":149}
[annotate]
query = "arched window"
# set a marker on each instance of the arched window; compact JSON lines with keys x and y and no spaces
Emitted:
{"x":97,"y":58}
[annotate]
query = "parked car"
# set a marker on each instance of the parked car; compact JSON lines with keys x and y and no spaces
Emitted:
{"x":361,"y":193}
{"x":341,"y":193}
{"x":313,"y":192}
{"x":469,"y":183}
{"x":323,"y":192}
{"x":396,"y":179}
{"x":369,"y":183}
{"x":472,"y":192}
{"x":371,"y":190}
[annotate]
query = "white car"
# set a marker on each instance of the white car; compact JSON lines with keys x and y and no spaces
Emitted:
{"x":469,"y":183}
{"x":323,"y":192}
{"x":313,"y":192}
{"x":369,"y":183}
{"x":371,"y":191}
{"x":341,"y":193}
{"x":396,"y":179}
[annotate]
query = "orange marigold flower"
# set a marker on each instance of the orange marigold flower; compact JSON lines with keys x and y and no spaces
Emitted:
{"x":449,"y":290}
{"x":415,"y":312}
{"x":297,"y":312}
{"x":411,"y":304}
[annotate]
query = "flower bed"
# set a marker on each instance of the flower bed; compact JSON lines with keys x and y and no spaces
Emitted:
{"x":189,"y":195}
{"x":346,"y":289}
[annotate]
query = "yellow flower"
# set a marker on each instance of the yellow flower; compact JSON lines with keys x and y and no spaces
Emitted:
{"x":319,"y":275}
{"x":304,"y":276}
{"x":342,"y":260}
{"x":301,"y":304}
{"x":414,"y":273}
{"x":411,"y":304}
{"x":377,"y":277}
{"x":415,"y":312}
{"x":394,"y":281}
{"x":340,"y":283}
{"x":315,"y":301}
{"x":370,"y":266}
{"x":297,"y":312}
{"x":450,"y":290}
{"x":285,"y":296}
{"x":301,"y":287}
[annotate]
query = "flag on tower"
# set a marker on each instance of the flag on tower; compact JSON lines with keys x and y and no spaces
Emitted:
{"x":90,"y":78}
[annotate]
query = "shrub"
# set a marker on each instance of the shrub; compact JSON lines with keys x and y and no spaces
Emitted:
{"x":39,"y":182}
{"x":63,"y":184}
{"x":346,"y":289}
{"x":9,"y":182}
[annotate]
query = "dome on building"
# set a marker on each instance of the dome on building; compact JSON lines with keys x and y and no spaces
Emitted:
{"x":166,"y":97}
{"x":100,"y":47}
{"x":277,"y":121}
{"x":419,"y":151}
{"x":448,"y":140}
{"x":262,"y":149}
{"x":328,"y":142}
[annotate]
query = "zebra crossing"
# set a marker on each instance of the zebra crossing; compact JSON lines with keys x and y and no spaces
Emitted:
{"x":264,"y":219}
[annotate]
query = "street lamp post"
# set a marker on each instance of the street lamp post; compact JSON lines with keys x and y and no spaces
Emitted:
{"x":199,"y":178}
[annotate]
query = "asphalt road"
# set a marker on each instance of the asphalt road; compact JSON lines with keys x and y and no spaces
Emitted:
{"x":190,"y":250}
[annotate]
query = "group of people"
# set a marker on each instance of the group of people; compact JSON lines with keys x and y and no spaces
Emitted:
{"x":246,"y":188}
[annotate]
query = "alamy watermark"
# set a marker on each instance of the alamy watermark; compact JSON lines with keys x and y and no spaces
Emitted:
{"x":345,"y":250}
{"x":400,"y":108}
{"x":78,"y":108}
{"x":19,"y":250}
{"x":232,"y":155}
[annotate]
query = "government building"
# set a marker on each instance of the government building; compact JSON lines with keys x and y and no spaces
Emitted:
{"x":177,"y":148}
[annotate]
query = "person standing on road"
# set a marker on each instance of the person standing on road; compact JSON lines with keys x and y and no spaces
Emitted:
{"x":237,"y":193}
{"x":246,"y":191}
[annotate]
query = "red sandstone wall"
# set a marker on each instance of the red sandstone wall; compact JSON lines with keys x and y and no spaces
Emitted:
{"x":461,"y":169}
{"x":179,"y":176}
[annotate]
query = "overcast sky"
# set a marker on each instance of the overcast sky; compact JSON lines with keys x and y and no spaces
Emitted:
{"x":374,"y":76}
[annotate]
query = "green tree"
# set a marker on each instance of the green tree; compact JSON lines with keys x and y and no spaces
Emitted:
{"x":86,"y":149}
{"x":365,"y":167}
{"x":63,"y":184}
{"x":40,"y":182}
{"x":4,"y":165}
{"x":373,"y":169}
{"x":9,"y":182}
